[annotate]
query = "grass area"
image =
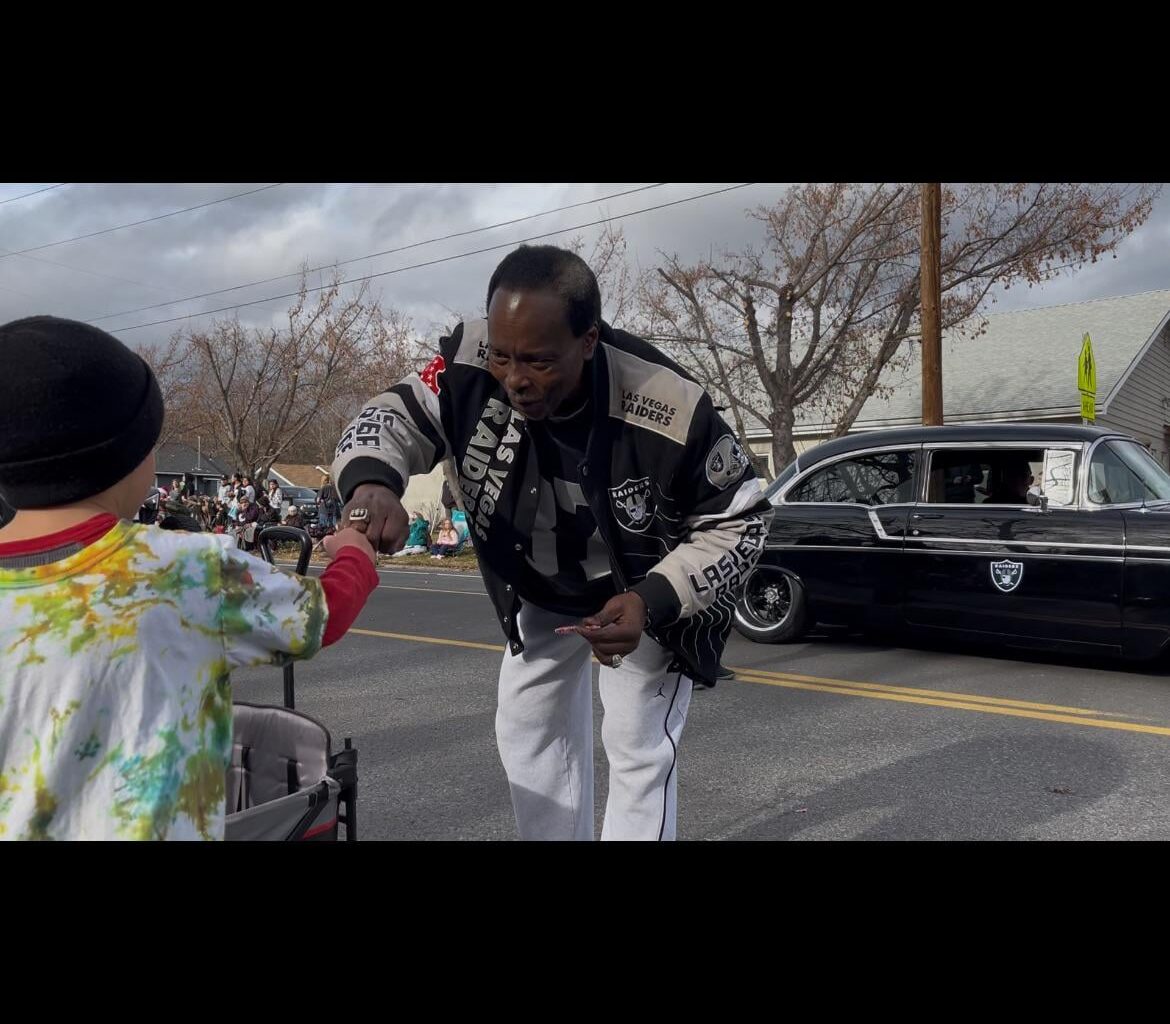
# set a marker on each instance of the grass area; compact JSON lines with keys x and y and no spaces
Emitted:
{"x":465,"y":561}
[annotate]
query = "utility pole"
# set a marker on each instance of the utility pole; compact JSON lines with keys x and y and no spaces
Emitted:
{"x":931,"y":293}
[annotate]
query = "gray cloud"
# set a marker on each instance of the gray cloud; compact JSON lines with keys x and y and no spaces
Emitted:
{"x":275,"y":231}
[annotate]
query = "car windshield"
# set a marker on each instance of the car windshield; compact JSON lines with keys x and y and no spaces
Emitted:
{"x":297,"y":492}
{"x":1123,"y":472}
{"x":772,"y":493}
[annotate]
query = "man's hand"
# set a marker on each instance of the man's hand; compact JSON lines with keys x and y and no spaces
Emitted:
{"x":348,"y":538}
{"x":385,"y":525}
{"x":617,"y":628}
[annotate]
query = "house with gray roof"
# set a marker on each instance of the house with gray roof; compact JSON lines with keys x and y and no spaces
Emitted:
{"x":201,"y":471}
{"x":1023,"y":369}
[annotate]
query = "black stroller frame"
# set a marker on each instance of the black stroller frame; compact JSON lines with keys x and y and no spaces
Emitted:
{"x":285,"y":782}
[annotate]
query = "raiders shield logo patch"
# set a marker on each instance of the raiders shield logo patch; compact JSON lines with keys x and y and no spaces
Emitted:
{"x":1006,"y":575}
{"x":726,"y":463}
{"x":633,"y":504}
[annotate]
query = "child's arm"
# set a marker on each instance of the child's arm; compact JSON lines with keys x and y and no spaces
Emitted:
{"x":348,"y":581}
{"x":267,"y":612}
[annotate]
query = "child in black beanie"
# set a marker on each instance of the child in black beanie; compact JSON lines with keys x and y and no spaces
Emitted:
{"x":117,"y":640}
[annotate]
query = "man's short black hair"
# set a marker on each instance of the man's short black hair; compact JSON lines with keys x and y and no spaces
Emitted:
{"x":540,"y":267}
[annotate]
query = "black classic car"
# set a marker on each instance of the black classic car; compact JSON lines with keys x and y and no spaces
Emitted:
{"x":1030,"y":535}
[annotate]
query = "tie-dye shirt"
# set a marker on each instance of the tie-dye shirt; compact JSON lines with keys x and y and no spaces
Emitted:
{"x":115,"y":692}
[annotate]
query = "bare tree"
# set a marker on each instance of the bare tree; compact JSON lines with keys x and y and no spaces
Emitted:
{"x":813,"y":317}
{"x":676,"y":317}
{"x":177,"y":375}
{"x":388,"y":357}
{"x":617,"y":280}
{"x":260,"y":391}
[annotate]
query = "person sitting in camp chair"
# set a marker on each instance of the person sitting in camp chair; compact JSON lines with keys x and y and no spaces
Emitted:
{"x":447,"y":543}
{"x":420,"y":535}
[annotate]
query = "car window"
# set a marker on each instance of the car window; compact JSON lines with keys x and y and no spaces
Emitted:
{"x":879,"y":478}
{"x":983,"y":476}
{"x":772,"y":493}
{"x":1123,"y":471}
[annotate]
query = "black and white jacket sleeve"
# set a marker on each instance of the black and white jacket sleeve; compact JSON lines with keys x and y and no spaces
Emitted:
{"x":397,"y":435}
{"x":722,"y":522}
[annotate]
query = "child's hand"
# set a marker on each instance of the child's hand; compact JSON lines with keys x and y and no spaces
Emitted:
{"x":349,"y":538}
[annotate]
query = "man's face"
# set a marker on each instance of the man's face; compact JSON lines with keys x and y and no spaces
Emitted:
{"x":533,"y":353}
{"x":1018,"y":479}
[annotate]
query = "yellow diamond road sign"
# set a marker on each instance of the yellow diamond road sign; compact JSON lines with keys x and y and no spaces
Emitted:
{"x":1087,"y":369}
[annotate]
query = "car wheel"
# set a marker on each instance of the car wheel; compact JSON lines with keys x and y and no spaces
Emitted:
{"x":772,"y":607}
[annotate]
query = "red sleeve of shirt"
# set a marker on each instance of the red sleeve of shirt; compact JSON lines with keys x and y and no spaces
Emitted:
{"x":348,"y":582}
{"x":83,"y":533}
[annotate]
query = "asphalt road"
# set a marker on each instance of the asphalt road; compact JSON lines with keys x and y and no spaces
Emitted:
{"x":840,"y":737}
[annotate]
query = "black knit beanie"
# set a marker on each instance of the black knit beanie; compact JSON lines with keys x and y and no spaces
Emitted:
{"x":79,"y":411}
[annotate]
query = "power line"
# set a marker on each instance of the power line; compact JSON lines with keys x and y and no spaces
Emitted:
{"x":444,"y":259}
{"x":97,"y":273}
{"x":374,"y":255}
{"x":15,"y":291}
{"x":25,"y":195}
{"x":83,"y":270}
{"x":68,"y":266}
{"x":134,"y":224}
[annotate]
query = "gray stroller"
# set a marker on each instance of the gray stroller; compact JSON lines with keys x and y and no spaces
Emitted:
{"x":285,"y":782}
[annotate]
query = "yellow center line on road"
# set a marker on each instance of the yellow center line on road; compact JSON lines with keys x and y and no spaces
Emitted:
{"x":959,"y":705}
{"x":915,"y":691}
{"x":874,"y":691}
{"x":428,"y":639}
{"x":433,"y":590}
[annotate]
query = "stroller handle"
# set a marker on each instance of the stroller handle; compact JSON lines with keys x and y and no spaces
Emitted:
{"x":272,"y":533}
{"x":293,"y":533}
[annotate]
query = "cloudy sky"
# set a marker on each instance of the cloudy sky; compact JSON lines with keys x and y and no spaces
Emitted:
{"x":150,"y":271}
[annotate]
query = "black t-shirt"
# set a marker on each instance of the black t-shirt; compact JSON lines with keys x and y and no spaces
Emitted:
{"x":568,"y":570}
